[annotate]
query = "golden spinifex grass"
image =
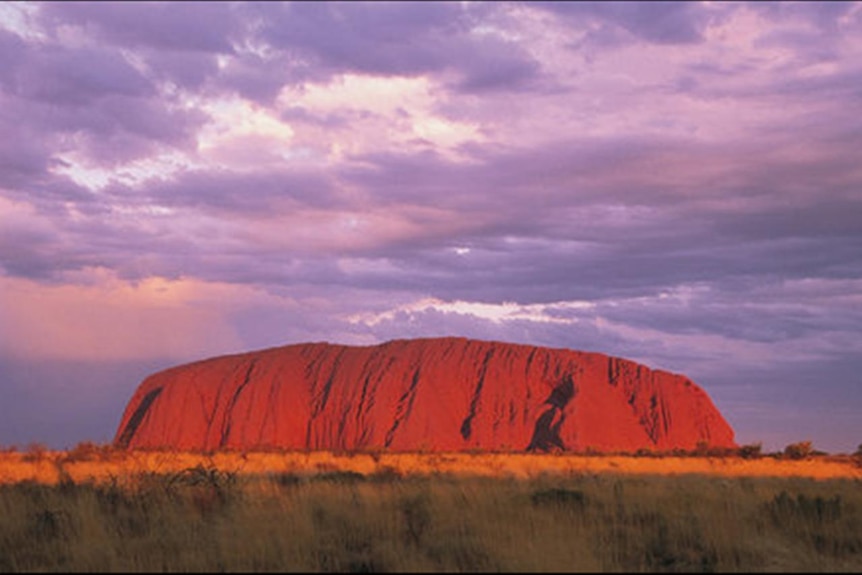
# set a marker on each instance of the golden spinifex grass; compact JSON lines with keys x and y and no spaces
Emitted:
{"x":201,"y":518}
{"x":102,"y":463}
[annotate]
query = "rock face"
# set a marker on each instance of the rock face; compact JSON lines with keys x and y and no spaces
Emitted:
{"x":441,"y":394}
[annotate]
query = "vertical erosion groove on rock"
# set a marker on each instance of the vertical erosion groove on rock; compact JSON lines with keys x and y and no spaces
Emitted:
{"x":467,"y":424}
{"x":438,"y":394}
{"x":229,"y":412}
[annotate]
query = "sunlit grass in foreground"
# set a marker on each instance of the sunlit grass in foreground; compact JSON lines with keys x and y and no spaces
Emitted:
{"x":331,"y":518}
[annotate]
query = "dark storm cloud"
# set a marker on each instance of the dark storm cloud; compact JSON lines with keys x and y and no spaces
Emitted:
{"x":563,"y":171}
{"x":76,"y":77}
{"x":392,"y":38}
{"x":575,"y":243}
{"x":259,"y":78}
{"x":117,"y":130}
{"x":124,"y":129}
{"x":44,"y":249}
{"x":399,"y":38}
{"x":658,"y":22}
{"x":22,"y":157}
{"x":23,"y":153}
{"x":181,"y":26}
{"x":24,"y":247}
{"x":11,"y":50}
{"x":789,"y":83}
{"x":497,"y":65}
{"x":771,"y":311}
{"x":190,"y":70}
{"x":304,"y":41}
{"x":180,"y":43}
{"x":232,"y":194}
{"x":580,"y":188}
{"x":577,"y":219}
{"x":558,"y":270}
{"x":88,"y":99}
{"x":823,"y":16}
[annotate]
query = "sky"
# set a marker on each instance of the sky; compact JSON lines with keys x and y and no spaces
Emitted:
{"x":679,"y":184}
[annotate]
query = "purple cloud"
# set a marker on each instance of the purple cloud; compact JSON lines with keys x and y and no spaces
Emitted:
{"x":205,"y":27}
{"x":76,"y":77}
{"x":675,"y":183}
{"x":660,"y":22}
{"x":399,"y":39}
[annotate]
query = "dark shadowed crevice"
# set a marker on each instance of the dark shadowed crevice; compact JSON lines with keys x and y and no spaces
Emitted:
{"x":529,"y":362}
{"x":613,"y":370}
{"x":135,"y":421}
{"x":322,"y":397}
{"x":562,"y":394}
{"x":546,"y":434}
{"x":225,"y":432}
{"x":467,"y":424}
{"x":404,"y":407}
{"x":360,"y":424}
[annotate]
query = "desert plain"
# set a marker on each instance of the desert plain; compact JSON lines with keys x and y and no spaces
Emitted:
{"x":100,"y":508}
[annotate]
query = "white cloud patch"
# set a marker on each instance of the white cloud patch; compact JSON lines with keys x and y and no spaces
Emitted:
{"x":244,"y":135}
{"x":17,"y":17}
{"x":382,"y":113}
{"x":135,"y":173}
{"x":496,"y":313}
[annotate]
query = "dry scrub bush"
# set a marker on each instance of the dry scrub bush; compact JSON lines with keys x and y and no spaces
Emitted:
{"x":35,"y":452}
{"x":205,"y":520}
{"x":89,"y":451}
{"x":750,"y":451}
{"x":800,"y":450}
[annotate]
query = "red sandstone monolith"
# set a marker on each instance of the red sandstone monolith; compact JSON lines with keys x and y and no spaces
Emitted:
{"x":439,"y":394}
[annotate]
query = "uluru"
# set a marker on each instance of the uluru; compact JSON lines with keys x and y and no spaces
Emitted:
{"x":433,"y":394}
